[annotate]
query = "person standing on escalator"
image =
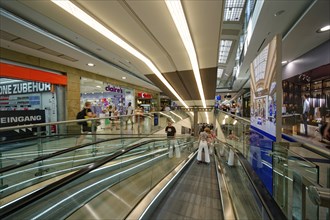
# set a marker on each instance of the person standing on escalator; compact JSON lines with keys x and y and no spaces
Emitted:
{"x":204,"y":142}
{"x":171,"y":142}
{"x":86,"y":126}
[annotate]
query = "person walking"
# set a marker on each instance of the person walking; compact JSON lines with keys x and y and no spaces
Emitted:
{"x":171,"y":131}
{"x":86,"y":126}
{"x":305,"y":113}
{"x":203,"y":145}
{"x":116,"y":118}
{"x":129,"y":113}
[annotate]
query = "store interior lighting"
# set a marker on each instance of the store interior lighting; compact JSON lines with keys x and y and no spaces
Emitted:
{"x":176,"y":11}
{"x":97,"y":26}
{"x":304,"y":77}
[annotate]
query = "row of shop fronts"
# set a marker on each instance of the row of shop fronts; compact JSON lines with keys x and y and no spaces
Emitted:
{"x":29,"y":95}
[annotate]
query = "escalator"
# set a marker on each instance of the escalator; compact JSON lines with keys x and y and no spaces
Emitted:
{"x":195,"y":195}
{"x":59,"y":199}
{"x":113,"y":188}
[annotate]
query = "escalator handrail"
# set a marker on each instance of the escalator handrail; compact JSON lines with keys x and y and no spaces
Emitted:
{"x":57,"y":153}
{"x":235,"y":116}
{"x":316,"y":150}
{"x":272,"y":208}
{"x":322,"y":152}
{"x":11,"y":208}
{"x":9,"y":128}
{"x":59,"y":135}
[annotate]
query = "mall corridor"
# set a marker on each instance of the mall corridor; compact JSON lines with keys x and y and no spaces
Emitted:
{"x":109,"y":109}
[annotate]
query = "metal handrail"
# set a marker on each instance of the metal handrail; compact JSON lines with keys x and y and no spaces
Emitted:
{"x":73,"y":121}
{"x":57,"y":153}
{"x":268,"y":202}
{"x":11,"y":208}
{"x":66,"y":150}
{"x":317,"y":150}
{"x":240,"y":118}
{"x":319,"y":195}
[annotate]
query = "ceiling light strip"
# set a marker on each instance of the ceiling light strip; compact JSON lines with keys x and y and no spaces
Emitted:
{"x":176,"y":11}
{"x":91,"y":22}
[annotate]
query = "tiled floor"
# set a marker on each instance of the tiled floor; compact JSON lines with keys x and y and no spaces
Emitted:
{"x":195,"y":196}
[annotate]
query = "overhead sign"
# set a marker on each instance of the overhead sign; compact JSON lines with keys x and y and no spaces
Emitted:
{"x":24,"y":88}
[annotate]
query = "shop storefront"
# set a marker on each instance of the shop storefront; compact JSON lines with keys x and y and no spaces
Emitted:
{"x":164,"y":101}
{"x":145,"y":100}
{"x":307,"y":76}
{"x":104,"y":95}
{"x":315,"y":85}
{"x":30,"y":96}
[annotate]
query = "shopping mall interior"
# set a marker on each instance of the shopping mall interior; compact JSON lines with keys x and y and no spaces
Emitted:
{"x":189,"y":109}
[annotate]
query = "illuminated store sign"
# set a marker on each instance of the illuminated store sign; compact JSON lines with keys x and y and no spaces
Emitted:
{"x":144,"y":95}
{"x":111,"y":88}
{"x":24,"y":87}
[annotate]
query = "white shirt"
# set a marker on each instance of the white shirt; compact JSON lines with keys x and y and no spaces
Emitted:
{"x":306,"y":106}
{"x":129,"y":110}
{"x":167,"y":109}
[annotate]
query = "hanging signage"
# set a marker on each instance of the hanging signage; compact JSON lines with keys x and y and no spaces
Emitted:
{"x":144,"y":95}
{"x":24,"y":88}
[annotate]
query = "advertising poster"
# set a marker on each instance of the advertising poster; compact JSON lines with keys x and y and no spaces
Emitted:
{"x":266,"y":98}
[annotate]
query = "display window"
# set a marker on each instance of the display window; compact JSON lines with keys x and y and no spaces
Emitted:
{"x":28,"y":97}
{"x":144,"y":100}
{"x":315,"y":86}
{"x":105,"y":97}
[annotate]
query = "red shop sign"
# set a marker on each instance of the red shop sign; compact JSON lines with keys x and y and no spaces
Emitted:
{"x":144,"y":95}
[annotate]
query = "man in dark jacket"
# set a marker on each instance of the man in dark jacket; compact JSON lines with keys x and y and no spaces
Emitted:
{"x":171,"y":131}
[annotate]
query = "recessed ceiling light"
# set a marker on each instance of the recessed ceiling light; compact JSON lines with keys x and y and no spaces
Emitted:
{"x":323,"y":29}
{"x":90,"y":64}
{"x":284,"y":62}
{"x":98,"y":86}
{"x":123,"y":77}
{"x":279,"y":13}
